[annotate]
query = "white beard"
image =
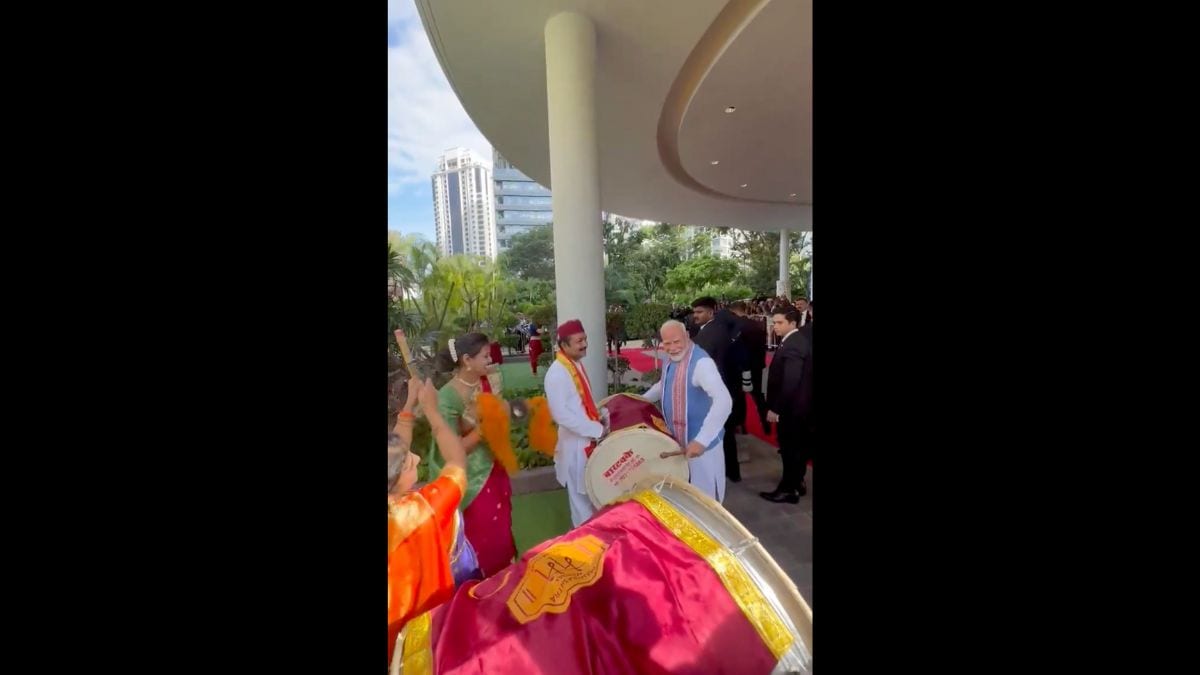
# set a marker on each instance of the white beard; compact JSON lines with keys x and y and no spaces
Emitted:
{"x":676,"y":358}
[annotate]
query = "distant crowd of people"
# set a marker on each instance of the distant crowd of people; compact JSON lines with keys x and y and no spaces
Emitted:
{"x":760,"y":309}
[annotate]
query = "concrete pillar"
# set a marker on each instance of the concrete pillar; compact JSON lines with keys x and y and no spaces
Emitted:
{"x":575,"y":182}
{"x":784,"y":286}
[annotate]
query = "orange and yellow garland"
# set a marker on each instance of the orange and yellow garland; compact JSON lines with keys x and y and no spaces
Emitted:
{"x":543,"y":435}
{"x":493,"y":426}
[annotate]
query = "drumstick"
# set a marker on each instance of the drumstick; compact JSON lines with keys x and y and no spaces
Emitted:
{"x":664,"y":455}
{"x":405,"y":354}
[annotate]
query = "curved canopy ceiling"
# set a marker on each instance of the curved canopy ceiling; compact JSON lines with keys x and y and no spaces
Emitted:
{"x":667,"y":71}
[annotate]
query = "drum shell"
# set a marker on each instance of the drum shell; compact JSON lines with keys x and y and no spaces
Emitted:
{"x":628,"y":411}
{"x":626,"y":457}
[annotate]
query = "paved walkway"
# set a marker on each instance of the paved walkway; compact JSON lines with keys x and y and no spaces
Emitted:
{"x":785,"y":530}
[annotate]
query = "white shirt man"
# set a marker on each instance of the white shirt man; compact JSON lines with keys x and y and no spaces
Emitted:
{"x":566,"y":386}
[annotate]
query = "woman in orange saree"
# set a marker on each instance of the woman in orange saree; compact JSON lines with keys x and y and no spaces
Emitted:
{"x":425,"y":543}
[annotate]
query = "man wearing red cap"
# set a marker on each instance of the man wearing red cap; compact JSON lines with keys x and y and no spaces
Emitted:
{"x":569,"y":393}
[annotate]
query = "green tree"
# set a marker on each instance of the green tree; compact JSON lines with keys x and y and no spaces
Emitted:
{"x":621,"y":287}
{"x":798,"y":268}
{"x":693,"y":275}
{"x":758,"y":254}
{"x":466,"y":274}
{"x":699,"y":244}
{"x":649,"y":265}
{"x":531,"y":255}
{"x":622,"y":242}
{"x":418,"y":301}
{"x":413,"y":280}
{"x":533,"y":291}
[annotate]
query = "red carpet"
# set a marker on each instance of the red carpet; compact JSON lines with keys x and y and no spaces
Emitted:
{"x":754,"y":423}
{"x":639,"y":360}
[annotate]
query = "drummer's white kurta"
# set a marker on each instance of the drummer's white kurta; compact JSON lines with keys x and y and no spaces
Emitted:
{"x":575,"y":433}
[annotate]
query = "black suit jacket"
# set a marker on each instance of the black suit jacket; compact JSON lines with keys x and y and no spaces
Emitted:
{"x":754,"y":342}
{"x":789,"y":381}
{"x":715,"y":338}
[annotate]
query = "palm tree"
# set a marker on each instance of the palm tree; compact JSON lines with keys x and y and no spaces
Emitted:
{"x":421,"y":297}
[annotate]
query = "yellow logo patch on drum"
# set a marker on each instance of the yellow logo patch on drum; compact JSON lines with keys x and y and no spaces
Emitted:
{"x":554,"y":575}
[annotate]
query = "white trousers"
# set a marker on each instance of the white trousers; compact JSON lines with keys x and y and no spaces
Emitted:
{"x":581,"y":506}
{"x":708,"y":472}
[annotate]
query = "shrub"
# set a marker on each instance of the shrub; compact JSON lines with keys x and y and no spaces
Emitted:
{"x":615,"y":388}
{"x":642,"y":322}
{"x":528,"y":392}
{"x":544,"y":317}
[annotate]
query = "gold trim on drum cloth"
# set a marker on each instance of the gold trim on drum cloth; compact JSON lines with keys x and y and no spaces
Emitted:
{"x":417,"y":658}
{"x":754,"y":606}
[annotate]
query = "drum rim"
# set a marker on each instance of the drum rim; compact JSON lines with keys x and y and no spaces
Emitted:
{"x":774,"y":584}
{"x":617,"y":434}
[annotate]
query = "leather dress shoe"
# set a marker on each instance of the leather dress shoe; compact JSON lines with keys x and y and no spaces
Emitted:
{"x":781,"y":497}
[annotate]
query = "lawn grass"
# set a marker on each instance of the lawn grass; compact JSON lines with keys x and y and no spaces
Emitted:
{"x":539,"y":516}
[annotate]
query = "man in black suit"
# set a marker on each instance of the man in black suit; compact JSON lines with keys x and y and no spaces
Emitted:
{"x":805,"y":307}
{"x":753,"y":341}
{"x":789,"y":401}
{"x":714,"y":334}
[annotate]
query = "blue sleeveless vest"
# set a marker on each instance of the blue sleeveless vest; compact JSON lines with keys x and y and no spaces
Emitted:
{"x":698,"y":402}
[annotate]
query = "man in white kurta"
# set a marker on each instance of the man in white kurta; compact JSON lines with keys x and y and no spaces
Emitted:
{"x":700,"y":438}
{"x":566,"y":386}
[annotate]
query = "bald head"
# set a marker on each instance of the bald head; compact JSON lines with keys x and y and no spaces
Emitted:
{"x":675,"y":340}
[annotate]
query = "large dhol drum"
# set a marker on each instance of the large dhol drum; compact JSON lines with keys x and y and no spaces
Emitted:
{"x":632,"y":451}
{"x":663,"y":581}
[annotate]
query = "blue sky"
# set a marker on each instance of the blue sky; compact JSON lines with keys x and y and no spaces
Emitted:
{"x":424,"y":119}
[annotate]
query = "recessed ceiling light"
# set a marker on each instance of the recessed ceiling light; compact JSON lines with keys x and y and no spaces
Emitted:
{"x":792,"y":195}
{"x":730,"y":109}
{"x":745,"y":185}
{"x":715,"y":162}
